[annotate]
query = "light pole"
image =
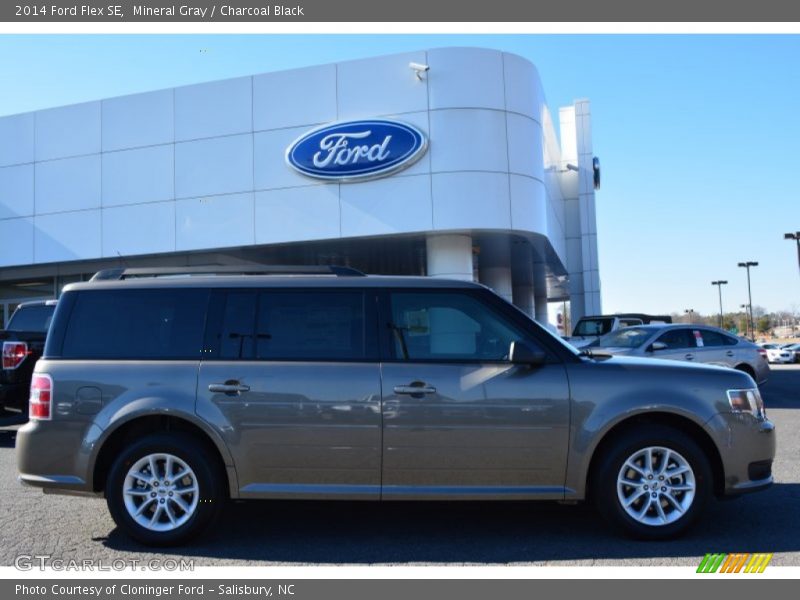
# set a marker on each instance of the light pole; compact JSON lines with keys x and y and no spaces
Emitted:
{"x":746,"y":307}
{"x":690,"y":314}
{"x":796,"y":237}
{"x":719,"y":285}
{"x":747,"y":266}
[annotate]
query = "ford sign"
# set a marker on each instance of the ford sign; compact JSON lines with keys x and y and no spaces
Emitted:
{"x":356,"y":150}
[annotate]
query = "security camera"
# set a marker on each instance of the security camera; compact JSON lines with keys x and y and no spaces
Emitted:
{"x":419,"y":69}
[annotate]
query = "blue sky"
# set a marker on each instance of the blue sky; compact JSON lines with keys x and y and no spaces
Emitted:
{"x":697,"y":136}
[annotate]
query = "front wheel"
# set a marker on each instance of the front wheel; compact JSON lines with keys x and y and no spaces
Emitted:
{"x":653,"y":482}
{"x":164,"y":490}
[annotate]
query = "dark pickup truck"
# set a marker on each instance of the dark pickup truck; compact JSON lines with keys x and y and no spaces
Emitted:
{"x":23,"y":343}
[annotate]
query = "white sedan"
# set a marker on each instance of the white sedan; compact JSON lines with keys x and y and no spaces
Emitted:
{"x":776,"y":354}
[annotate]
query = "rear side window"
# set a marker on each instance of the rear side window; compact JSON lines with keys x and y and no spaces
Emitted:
{"x":136,"y":324}
{"x":32,"y":318}
{"x":715,"y":338}
{"x":310,"y":325}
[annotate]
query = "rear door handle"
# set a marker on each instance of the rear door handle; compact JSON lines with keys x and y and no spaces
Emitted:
{"x":414,"y":390}
{"x":729,"y":353}
{"x":228,"y":388}
{"x":689,"y":356}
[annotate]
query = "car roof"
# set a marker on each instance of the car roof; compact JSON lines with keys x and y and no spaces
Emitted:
{"x":275,"y":281}
{"x":30,"y":303}
{"x":660,"y":326}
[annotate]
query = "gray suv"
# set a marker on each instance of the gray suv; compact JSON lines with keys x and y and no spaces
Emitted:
{"x":170,"y":394}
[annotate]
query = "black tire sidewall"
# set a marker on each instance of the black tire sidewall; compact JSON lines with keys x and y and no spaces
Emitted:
{"x":199,"y":460}
{"x":605,"y":482}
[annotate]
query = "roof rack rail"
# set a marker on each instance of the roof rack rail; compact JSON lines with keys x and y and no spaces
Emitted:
{"x":118,"y":274}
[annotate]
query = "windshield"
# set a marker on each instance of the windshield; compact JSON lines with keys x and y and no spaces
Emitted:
{"x":32,"y":318}
{"x":593,"y":327}
{"x":630,"y":337}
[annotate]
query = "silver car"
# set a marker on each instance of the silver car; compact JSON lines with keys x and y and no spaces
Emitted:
{"x":694,"y":343}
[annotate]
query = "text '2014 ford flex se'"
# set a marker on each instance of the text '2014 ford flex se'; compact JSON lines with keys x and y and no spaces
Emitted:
{"x":169,"y":395}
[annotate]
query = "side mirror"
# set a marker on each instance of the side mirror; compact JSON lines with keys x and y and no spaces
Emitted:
{"x":656,"y":346}
{"x":522,"y":354}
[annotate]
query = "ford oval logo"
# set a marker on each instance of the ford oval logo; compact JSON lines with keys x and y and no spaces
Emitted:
{"x":356,"y":150}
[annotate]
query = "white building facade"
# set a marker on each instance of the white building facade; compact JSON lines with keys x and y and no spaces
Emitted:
{"x":199,"y":175}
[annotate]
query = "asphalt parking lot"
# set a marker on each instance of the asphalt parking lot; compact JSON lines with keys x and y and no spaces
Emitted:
{"x":299,"y":533}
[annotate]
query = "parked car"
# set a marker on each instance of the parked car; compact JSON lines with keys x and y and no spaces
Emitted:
{"x":695,"y":343}
{"x":168,"y":395}
{"x":776,"y":354}
{"x":588,"y":330}
{"x":795,"y":349}
{"x":22,"y":345}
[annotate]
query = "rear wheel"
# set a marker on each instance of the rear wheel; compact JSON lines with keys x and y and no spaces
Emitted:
{"x":653,"y":482}
{"x":164,"y":489}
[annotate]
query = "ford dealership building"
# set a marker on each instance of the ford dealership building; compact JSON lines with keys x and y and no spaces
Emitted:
{"x":444,"y":162}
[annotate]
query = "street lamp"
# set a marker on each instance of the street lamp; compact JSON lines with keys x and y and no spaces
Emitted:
{"x":690,"y":313}
{"x":719,"y":285}
{"x":746,"y":308}
{"x":796,"y":237}
{"x":747,"y":266}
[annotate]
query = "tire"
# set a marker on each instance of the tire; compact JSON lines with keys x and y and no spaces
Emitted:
{"x":683,"y":500}
{"x":176,"y":523}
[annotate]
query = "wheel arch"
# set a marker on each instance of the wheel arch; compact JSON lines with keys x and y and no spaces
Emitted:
{"x":135,"y":426}
{"x":676,"y":421}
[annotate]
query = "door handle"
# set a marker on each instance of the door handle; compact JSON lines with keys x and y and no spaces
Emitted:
{"x":228,"y":388}
{"x":414,"y":390}
{"x":689,"y":356}
{"x":729,"y":353}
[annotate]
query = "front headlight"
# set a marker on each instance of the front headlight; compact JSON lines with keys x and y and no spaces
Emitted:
{"x":747,"y":401}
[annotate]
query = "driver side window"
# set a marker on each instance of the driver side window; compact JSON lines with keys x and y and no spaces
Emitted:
{"x":676,"y":339}
{"x":441,"y":326}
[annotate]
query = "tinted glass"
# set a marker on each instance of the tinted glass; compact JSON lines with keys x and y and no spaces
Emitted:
{"x":449,"y":326}
{"x":136,"y":324}
{"x":317,"y":325}
{"x":677,"y":338}
{"x":238,"y":323}
{"x":593,"y":326}
{"x":32,"y":318}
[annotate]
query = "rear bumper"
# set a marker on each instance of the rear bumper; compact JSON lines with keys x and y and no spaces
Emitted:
{"x":53,"y":456}
{"x":747,"y":449}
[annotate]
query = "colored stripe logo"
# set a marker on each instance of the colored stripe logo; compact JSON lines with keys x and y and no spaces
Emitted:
{"x":738,"y":562}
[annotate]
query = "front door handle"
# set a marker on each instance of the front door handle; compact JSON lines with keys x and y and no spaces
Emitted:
{"x":689,"y":356}
{"x":729,"y":353}
{"x":414,"y":390}
{"x":229,"y":387}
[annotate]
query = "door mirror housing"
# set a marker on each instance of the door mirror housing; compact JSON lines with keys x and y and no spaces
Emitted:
{"x":521,"y":353}
{"x":656,"y":346}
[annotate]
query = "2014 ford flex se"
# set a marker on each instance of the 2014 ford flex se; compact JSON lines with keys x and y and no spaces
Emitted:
{"x":170,"y":394}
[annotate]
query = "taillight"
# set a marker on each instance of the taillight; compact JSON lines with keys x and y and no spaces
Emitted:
{"x":41,"y":399}
{"x":763,"y":353}
{"x":14,"y":353}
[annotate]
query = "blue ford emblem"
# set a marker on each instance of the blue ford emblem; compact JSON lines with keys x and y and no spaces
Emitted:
{"x":356,"y":150}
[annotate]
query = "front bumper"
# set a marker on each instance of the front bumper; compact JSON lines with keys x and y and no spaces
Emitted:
{"x":747,"y":449}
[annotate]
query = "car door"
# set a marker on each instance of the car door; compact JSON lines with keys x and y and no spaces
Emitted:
{"x":459,"y":419}
{"x":292,"y":382}
{"x":680,"y":344}
{"x":715,"y":348}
